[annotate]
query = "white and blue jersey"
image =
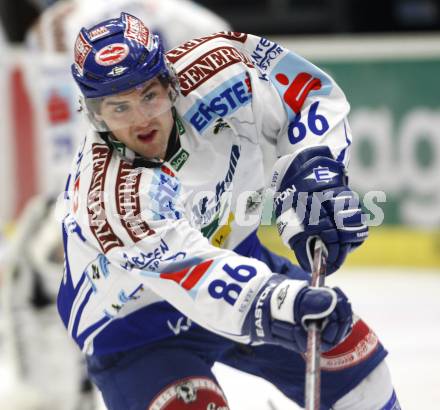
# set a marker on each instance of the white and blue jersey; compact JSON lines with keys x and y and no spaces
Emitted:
{"x":149,"y":251}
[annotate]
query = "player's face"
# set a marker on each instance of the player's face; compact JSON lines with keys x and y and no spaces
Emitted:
{"x":140,"y":118}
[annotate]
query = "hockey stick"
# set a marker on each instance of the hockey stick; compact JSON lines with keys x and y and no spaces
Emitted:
{"x":313,"y":354}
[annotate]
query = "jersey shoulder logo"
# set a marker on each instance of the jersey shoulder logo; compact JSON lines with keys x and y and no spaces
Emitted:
{"x":180,"y":51}
{"x":296,"y":79}
{"x":208,"y":65}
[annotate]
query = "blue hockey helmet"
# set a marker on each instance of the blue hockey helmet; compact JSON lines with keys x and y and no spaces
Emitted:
{"x":116,"y":55}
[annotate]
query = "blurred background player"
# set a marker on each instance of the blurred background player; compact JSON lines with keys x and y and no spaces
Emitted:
{"x":176,"y":21}
{"x":35,"y":266}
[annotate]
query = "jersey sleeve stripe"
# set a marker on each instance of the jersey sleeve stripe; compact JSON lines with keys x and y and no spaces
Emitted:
{"x":196,"y":274}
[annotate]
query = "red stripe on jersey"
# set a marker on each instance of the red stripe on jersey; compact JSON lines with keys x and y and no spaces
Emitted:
{"x":360,"y":344}
{"x":175,"y":276}
{"x":167,"y":171}
{"x":196,"y":274}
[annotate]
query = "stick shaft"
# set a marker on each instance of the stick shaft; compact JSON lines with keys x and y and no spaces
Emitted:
{"x":313,"y":354}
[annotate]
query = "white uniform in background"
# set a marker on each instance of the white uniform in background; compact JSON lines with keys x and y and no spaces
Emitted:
{"x":176,"y":21}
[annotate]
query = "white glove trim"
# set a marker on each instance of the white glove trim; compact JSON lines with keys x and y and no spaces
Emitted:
{"x":289,"y":225}
{"x":283,"y":299}
{"x":324,"y":314}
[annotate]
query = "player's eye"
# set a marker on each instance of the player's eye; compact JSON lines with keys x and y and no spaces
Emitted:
{"x":150,"y":96}
{"x":121,"y":108}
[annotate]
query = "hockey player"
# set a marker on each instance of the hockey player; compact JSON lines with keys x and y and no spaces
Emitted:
{"x":164,"y":274}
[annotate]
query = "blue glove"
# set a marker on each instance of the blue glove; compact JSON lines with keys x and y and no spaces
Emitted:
{"x":284,"y":308}
{"x":311,"y":179}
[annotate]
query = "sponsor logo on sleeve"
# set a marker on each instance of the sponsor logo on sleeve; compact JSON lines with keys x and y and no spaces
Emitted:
{"x":265,"y":52}
{"x":150,"y":260}
{"x":297,"y":91}
{"x":209,"y":64}
{"x":177,"y":53}
{"x":224,"y":100}
{"x":98,"y":222}
{"x":128,"y":202}
{"x":82,"y":50}
{"x":296,"y":79}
